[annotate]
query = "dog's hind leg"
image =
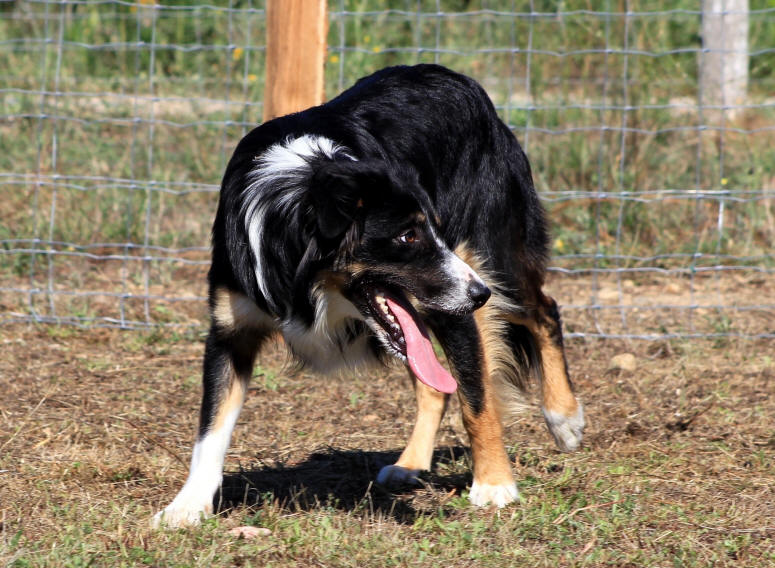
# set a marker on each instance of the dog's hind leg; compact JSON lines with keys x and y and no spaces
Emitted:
{"x":472,"y":344}
{"x":562,"y":411}
{"x":418,"y":453}
{"x":228,"y":365}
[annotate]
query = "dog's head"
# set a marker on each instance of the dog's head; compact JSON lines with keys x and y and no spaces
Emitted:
{"x":389,"y":255}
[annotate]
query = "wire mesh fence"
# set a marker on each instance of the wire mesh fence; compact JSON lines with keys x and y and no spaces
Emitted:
{"x":118,"y":118}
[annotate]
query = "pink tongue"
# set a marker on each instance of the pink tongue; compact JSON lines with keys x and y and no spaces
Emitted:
{"x":419,"y":352}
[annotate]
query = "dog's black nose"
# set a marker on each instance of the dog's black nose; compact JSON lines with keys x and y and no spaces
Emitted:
{"x":478,"y":292}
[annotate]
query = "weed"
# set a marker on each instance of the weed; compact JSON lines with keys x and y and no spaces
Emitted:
{"x":355,"y":399}
{"x":271,"y":379}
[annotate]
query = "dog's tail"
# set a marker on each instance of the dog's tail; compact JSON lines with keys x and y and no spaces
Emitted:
{"x":511,"y":357}
{"x":518,"y":370}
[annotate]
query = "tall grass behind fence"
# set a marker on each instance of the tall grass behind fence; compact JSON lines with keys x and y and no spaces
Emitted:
{"x":118,"y":118}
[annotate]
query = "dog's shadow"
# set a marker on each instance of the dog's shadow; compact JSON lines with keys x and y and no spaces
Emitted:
{"x":345,"y":480}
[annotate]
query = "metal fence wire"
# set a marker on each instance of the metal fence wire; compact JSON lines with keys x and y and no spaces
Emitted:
{"x":650,"y":132}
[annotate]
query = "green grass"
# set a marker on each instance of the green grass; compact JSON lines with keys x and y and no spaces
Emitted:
{"x":558,"y":524}
{"x":96,"y":433}
{"x":552,"y":528}
{"x":206,"y":57}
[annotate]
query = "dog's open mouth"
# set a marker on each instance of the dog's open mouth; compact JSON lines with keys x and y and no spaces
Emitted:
{"x":408,"y":337}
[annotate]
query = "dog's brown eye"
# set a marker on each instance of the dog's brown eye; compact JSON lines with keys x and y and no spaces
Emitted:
{"x":408,"y":237}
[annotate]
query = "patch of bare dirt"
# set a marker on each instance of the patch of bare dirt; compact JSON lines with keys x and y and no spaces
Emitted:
{"x":103,"y":417}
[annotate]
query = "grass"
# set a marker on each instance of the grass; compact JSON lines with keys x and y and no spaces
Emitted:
{"x":172,"y":114}
{"x":677,"y":467}
{"x":114,"y":149}
{"x":113,"y":192}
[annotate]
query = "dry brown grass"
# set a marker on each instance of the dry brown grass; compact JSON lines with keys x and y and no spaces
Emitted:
{"x":96,"y":428}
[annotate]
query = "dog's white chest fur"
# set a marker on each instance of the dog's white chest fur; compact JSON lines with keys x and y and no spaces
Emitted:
{"x":329,"y":344}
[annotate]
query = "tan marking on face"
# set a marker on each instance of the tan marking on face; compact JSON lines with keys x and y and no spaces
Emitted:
{"x":468,"y":256}
{"x":430,"y":409}
{"x":346,"y":271}
{"x":233,"y":310}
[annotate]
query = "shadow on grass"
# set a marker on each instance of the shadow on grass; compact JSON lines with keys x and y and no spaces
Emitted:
{"x":345,"y":480}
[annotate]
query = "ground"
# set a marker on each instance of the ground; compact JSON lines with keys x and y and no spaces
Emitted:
{"x":96,"y":426}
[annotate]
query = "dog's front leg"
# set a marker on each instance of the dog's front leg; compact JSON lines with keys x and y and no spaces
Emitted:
{"x":228,"y":365}
{"x":418,"y":453}
{"x":469,"y":346}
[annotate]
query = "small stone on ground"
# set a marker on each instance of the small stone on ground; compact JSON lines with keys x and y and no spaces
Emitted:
{"x":249,"y":532}
{"x":624,"y":361}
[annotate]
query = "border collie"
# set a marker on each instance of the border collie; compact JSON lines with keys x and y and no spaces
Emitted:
{"x":355,"y":229}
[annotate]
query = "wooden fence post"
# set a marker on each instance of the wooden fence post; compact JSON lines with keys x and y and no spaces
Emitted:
{"x":295,"y":54}
{"x":724,"y":60}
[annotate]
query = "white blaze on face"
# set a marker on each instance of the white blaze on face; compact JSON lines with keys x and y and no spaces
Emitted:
{"x":463,"y":276}
{"x":459,"y":272}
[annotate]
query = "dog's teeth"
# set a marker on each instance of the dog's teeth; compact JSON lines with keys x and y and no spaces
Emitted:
{"x":390,"y":317}
{"x":385,"y":309}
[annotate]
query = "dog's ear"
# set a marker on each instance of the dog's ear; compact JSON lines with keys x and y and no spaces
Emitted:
{"x":340,"y":189}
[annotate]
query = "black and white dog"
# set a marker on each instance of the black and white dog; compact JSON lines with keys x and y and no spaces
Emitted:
{"x":352,"y":228}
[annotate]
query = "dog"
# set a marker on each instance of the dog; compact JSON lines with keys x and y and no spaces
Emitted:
{"x":354,"y":229}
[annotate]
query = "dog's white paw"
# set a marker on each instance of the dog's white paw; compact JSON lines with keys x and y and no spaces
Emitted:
{"x":482,"y":494}
{"x":567,"y":430}
{"x":395,"y":475}
{"x":182,"y":514}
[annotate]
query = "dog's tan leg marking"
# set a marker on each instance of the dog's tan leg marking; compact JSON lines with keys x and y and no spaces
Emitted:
{"x":206,"y":471}
{"x":555,"y":386}
{"x":232,"y":401}
{"x":563,"y":412}
{"x":418,"y":453}
{"x":493,"y":478}
{"x":430,"y":409}
{"x":232,"y":311}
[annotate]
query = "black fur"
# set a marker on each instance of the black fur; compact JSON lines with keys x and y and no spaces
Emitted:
{"x":338,"y":223}
{"x":411,"y":140}
{"x":432,"y":138}
{"x":336,"y":228}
